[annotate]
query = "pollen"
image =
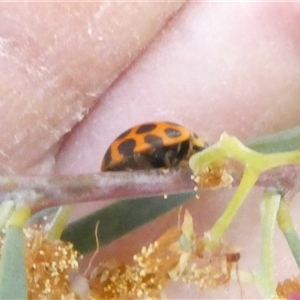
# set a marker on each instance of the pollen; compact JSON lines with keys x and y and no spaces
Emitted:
{"x":214,"y":176}
{"x":288,"y":288}
{"x":48,"y":265}
{"x":177,"y":255}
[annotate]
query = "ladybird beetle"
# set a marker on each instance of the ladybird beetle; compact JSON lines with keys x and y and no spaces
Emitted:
{"x":151,"y":145}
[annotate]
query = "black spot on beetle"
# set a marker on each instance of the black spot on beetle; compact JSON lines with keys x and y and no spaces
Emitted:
{"x":127,"y":147}
{"x":172,"y":133}
{"x":154,"y":141}
{"x":146,"y":128}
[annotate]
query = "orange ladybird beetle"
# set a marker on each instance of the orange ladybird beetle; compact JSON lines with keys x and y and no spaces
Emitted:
{"x":151,"y":146}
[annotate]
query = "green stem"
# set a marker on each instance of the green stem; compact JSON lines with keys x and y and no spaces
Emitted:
{"x":59,"y":222}
{"x":248,"y":180}
{"x":20,"y":216}
{"x":285,"y":224}
{"x":265,"y":275}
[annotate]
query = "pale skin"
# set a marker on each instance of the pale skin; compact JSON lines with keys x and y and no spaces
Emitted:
{"x":215,"y":67}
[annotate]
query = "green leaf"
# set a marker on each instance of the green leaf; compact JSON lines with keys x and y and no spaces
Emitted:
{"x":118,"y":219}
{"x":13,"y":281}
{"x":281,"y":141}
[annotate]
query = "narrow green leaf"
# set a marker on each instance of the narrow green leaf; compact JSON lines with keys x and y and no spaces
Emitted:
{"x":13,"y":282}
{"x":281,"y":141}
{"x":118,"y":219}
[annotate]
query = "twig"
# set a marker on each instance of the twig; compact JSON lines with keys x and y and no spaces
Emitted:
{"x":46,"y":191}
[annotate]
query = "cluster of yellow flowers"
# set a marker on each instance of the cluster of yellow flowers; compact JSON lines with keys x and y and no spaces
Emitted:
{"x":177,"y":255}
